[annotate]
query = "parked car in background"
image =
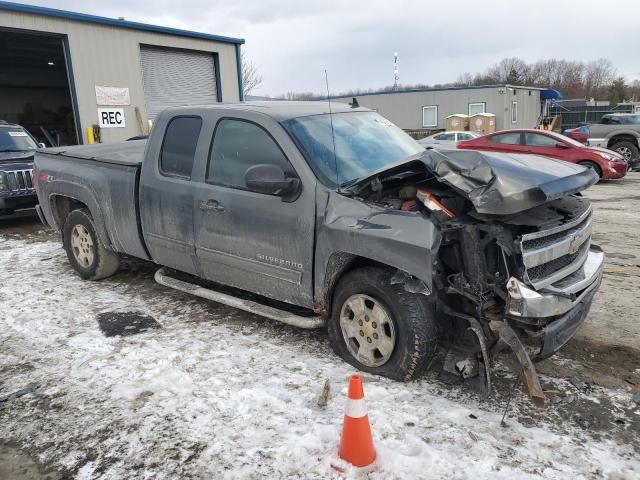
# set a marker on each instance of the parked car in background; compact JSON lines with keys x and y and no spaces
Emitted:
{"x":447,"y":138}
{"x":619,"y":132}
{"x":579,"y":134}
{"x":17,"y":148}
{"x":607,"y":164}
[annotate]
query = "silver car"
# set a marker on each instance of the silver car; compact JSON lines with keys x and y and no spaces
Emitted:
{"x":447,"y":138}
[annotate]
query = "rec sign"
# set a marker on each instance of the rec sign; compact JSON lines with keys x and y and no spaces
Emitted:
{"x":111,"y":118}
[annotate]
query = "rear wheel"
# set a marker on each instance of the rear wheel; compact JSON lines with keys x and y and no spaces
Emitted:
{"x":627,"y":149}
{"x":593,"y":166}
{"x":380,"y":328}
{"x":85,"y":252}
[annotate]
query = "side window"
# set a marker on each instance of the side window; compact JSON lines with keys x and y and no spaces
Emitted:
{"x":446,"y":137}
{"x":538,"y":140}
{"x":238,"y":145}
{"x":179,"y":146}
{"x":464,"y":136}
{"x":507,"y":138}
{"x":605,"y":120}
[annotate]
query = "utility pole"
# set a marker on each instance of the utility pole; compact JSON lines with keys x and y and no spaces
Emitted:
{"x":396,"y":77}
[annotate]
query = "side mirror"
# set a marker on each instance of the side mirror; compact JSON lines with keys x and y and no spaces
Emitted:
{"x":270,"y":179}
{"x":561,"y":145}
{"x":42,"y":145}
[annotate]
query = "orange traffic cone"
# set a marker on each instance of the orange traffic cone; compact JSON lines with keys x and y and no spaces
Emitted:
{"x":356,"y":444}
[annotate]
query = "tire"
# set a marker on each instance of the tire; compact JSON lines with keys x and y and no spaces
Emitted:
{"x":86,"y":254}
{"x":410,"y":319}
{"x":628,"y":150}
{"x":593,"y":166}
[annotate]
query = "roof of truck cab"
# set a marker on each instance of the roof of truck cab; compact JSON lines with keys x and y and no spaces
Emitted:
{"x":280,"y":110}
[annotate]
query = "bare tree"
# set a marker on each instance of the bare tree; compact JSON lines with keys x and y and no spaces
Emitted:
{"x":250,"y":77}
{"x":599,"y":74}
{"x":511,"y":70}
{"x":464,"y":80}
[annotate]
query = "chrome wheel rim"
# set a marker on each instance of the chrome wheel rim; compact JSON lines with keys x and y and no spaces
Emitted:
{"x":82,"y":245}
{"x":368,"y":330}
{"x":625,"y":152}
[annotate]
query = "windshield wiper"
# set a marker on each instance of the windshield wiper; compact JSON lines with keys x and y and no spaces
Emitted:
{"x":348,"y":183}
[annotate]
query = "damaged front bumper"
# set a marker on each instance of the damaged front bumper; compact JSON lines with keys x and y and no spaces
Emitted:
{"x":551,"y":316}
{"x":559,"y":298}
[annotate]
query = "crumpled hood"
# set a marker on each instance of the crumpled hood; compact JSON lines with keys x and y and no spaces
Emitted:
{"x":500,"y":183}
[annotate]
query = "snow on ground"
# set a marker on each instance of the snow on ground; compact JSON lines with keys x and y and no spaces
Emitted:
{"x":216,"y":393}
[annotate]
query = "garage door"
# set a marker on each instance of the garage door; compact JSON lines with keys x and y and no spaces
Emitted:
{"x":177,"y":77}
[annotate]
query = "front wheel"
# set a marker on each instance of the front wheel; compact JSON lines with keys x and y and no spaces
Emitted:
{"x":85,"y":252}
{"x":381,"y":328}
{"x":593,"y":166}
{"x":627,"y":149}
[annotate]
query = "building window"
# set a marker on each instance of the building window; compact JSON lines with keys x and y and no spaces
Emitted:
{"x":479,"y":107}
{"x":514,"y":112}
{"x":430,"y":116}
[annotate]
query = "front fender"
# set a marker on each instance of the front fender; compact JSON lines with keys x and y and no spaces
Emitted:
{"x":408,"y":241}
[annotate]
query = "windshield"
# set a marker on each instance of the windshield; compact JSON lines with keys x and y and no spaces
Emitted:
{"x":15,"y":140}
{"x":629,"y":119}
{"x":364,"y":142}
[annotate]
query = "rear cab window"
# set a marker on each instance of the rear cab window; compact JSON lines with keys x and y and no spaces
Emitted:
{"x":179,"y":147}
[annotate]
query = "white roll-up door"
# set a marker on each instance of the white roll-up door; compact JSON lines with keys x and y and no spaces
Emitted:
{"x":177,"y":77}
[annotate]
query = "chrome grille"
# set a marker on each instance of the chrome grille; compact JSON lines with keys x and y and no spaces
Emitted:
{"x":553,"y":254}
{"x":20,"y":180}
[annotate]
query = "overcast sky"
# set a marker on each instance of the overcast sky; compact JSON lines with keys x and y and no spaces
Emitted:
{"x":292,"y":42}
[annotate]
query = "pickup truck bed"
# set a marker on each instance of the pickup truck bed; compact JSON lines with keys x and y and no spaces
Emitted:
{"x":107,"y":175}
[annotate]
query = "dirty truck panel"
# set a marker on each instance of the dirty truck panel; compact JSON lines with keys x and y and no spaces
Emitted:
{"x":338,"y":218}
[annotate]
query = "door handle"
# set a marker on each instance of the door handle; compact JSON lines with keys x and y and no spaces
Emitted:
{"x":211,"y":205}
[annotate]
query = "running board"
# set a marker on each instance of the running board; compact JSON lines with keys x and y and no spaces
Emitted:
{"x":250,"y":306}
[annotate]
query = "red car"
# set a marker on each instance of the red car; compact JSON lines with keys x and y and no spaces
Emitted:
{"x":607,"y":164}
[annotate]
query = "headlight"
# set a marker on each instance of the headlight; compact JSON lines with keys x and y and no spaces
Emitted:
{"x":607,"y":156}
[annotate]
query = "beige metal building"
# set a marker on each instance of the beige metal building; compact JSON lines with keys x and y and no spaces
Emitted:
{"x":62,"y":72}
{"x":514,"y":106}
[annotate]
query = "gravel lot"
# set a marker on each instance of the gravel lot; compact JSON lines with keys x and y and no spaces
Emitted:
{"x":216,"y":393}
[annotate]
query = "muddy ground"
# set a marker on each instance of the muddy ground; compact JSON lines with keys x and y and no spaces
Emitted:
{"x":603,"y":357}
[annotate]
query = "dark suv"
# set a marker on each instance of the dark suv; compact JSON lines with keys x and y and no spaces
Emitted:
{"x":17,"y":148}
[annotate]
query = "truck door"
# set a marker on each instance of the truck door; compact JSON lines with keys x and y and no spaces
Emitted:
{"x":166,"y":192}
{"x":257,"y":242}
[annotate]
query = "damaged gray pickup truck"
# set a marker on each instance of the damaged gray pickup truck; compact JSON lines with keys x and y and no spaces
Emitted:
{"x":338,"y":218}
